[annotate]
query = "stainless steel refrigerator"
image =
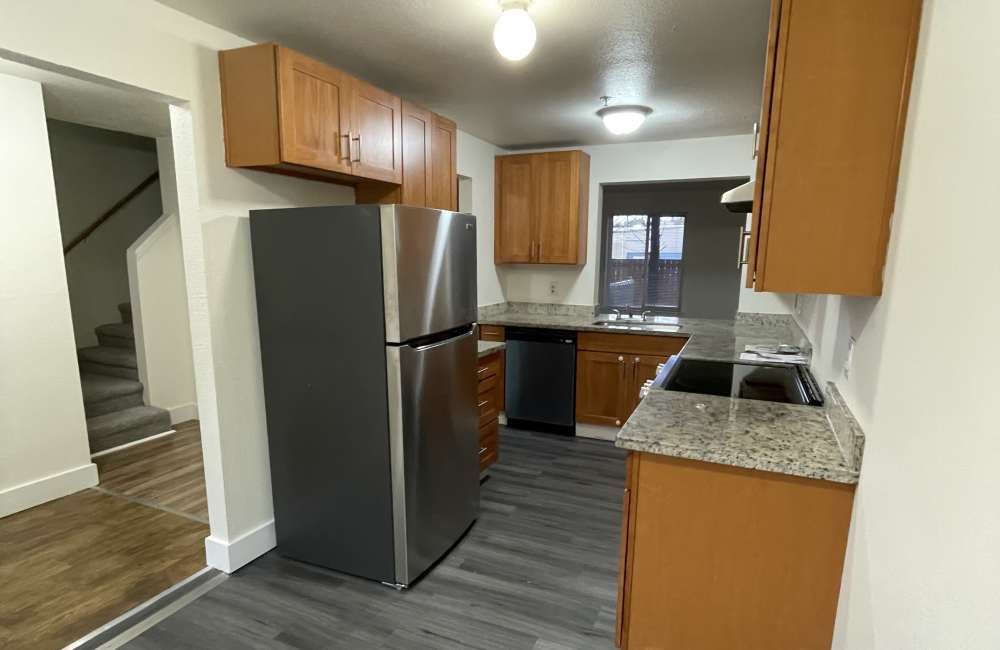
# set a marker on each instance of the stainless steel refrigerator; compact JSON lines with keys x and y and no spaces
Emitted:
{"x":366,"y":317}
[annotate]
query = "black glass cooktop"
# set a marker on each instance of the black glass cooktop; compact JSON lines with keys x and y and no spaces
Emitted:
{"x":791,"y":384}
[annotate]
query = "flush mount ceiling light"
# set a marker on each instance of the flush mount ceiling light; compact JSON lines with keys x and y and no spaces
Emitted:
{"x":624,"y":119}
{"x":514,"y":34}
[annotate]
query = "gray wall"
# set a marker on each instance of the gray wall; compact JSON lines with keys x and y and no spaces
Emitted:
{"x":93,"y":169}
{"x":711,"y":284}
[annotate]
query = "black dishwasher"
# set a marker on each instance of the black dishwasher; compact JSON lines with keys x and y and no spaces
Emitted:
{"x":540,"y":388}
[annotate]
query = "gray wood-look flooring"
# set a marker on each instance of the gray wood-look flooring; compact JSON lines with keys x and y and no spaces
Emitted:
{"x":537,"y":570}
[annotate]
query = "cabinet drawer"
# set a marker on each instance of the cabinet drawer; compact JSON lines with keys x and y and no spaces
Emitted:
{"x":630,"y":343}
{"x":488,"y":366}
{"x":488,"y":408}
{"x":488,"y":384}
{"x":492,"y":333}
{"x":489,"y":445}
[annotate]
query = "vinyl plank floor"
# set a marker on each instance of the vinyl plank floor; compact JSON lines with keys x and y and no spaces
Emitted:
{"x":71,"y":565}
{"x":167,"y":472}
{"x":538,"y":570}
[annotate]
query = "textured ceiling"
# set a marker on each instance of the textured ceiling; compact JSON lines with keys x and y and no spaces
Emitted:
{"x":697,"y":63}
{"x":95,"y":104}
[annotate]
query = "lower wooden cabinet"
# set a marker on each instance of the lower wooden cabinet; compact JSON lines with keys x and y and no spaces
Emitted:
{"x":489,"y":398}
{"x":610,"y":370}
{"x":714,"y":556}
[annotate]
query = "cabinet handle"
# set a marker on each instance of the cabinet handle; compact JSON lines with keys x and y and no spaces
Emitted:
{"x":756,"y":136}
{"x":482,"y":450}
{"x":484,"y":403}
{"x":347,"y":146}
{"x":621,"y":359}
{"x":482,"y":370}
{"x":744,"y":248}
{"x":357,"y":139}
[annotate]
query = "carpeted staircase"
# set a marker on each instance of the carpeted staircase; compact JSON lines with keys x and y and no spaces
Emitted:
{"x":112,"y":393}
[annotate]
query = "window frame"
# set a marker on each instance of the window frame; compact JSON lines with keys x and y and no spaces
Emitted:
{"x":607,"y":220}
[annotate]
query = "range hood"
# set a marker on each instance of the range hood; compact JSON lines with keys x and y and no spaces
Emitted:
{"x":739,"y":199}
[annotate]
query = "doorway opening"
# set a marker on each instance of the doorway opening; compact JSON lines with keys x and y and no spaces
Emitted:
{"x":105,"y":549}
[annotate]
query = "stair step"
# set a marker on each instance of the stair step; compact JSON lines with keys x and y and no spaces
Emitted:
{"x":125,"y":309}
{"x":104,"y":394}
{"x":116,"y":335}
{"x":121,"y":427}
{"x":108,"y":360}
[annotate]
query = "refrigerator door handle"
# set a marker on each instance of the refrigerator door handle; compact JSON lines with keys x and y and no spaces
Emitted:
{"x":438,"y":344}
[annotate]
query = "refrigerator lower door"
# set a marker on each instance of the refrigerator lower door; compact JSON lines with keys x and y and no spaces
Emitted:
{"x":434,"y":447}
{"x":428,"y":271}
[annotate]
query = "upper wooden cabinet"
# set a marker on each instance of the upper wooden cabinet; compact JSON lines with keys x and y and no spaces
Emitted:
{"x":444,"y":164}
{"x":836,"y":87}
{"x":541,"y":208}
{"x":430,"y":162}
{"x":287,"y":113}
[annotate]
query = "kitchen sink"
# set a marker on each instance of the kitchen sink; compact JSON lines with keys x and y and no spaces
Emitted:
{"x":638,"y":326}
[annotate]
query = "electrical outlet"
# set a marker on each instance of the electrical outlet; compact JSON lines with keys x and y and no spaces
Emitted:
{"x":850,"y":358}
{"x":553,"y":288}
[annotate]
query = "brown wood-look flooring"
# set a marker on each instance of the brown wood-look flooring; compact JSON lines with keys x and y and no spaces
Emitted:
{"x":69,"y":566}
{"x":167,"y":473}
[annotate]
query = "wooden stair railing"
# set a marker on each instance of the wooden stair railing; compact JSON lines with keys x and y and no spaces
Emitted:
{"x":110,"y":212}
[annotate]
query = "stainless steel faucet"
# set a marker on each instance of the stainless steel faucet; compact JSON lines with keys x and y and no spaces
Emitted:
{"x":645,"y":313}
{"x":628,"y":308}
{"x":618,"y":314}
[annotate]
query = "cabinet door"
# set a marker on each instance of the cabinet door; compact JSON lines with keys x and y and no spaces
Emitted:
{"x":823,"y":219}
{"x":313,"y":103}
{"x":376,"y":137}
{"x":444,"y":163}
{"x":514,"y":237}
{"x":641,"y":368}
{"x":417,"y":154}
{"x":558,"y":220}
{"x":601,"y":379}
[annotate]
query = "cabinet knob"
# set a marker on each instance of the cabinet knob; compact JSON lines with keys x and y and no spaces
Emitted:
{"x":621,"y":358}
{"x":637,"y":359}
{"x":618,"y":423}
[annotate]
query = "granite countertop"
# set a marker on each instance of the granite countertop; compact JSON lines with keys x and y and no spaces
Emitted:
{"x":812,"y":442}
{"x":489,"y":347}
{"x":711,"y":339}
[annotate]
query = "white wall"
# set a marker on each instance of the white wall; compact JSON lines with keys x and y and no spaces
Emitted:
{"x":923,"y":563}
{"x":160,"y":319}
{"x":698,"y":158}
{"x":475,"y":162}
{"x":44,"y":453}
{"x":95,"y":168}
{"x":166,"y":52}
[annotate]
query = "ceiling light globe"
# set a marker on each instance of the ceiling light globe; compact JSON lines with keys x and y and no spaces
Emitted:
{"x":514,"y":34}
{"x":622,"y":120}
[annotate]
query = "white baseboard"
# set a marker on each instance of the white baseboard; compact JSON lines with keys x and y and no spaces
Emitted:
{"x":134,"y":443}
{"x":596,"y":431}
{"x":230,"y":556}
{"x":183,"y":412}
{"x":34,"y":493}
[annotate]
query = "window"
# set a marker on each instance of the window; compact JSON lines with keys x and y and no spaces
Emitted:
{"x":643,"y":255}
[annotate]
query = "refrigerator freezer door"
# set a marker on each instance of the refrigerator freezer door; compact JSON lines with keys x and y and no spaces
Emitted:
{"x":434,"y":445}
{"x":428,"y":271}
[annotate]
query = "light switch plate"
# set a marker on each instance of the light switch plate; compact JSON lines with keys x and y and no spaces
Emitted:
{"x":850,"y":358}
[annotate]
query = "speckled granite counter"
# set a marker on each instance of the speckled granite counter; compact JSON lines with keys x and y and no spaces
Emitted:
{"x":489,"y":347}
{"x":784,"y":438}
{"x":713,"y":339}
{"x":822,"y":443}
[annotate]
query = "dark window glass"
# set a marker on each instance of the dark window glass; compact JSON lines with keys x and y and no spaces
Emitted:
{"x":643,"y":261}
